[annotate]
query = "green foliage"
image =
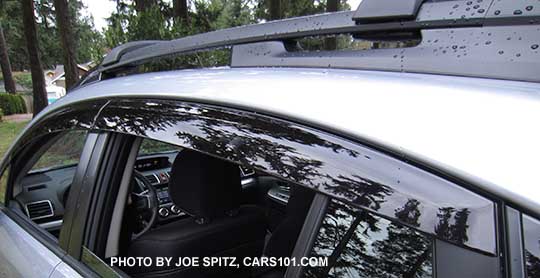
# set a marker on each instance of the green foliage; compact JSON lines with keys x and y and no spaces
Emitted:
{"x":24,"y":79}
{"x":1,"y":114}
{"x":12,"y":104}
{"x":152,"y":146}
{"x":90,"y":43}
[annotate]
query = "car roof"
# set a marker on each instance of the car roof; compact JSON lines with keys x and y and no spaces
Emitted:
{"x":483,"y":129}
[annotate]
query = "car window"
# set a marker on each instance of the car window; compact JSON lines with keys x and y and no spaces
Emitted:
{"x":65,"y":151}
{"x":154,"y":146}
{"x":3,"y":185}
{"x":531,"y":234}
{"x":43,"y":192}
{"x":358,"y":243}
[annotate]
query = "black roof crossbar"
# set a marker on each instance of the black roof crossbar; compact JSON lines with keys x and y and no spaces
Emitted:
{"x":386,"y":10}
{"x":430,"y":17}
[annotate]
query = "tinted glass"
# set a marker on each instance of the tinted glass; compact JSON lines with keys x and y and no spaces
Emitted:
{"x":531,"y":234}
{"x":337,"y":167}
{"x":360,"y":244}
{"x":154,"y":146}
{"x":3,"y":185}
{"x":64,"y":152}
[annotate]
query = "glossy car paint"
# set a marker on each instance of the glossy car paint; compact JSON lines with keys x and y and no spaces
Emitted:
{"x":21,"y":254}
{"x":482,"y":130}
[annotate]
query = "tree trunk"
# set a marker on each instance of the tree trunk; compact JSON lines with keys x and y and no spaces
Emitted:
{"x":143,"y":5}
{"x":180,"y":10}
{"x":274,"y":9}
{"x":32,"y":45}
{"x":330,"y":43}
{"x":9,"y":83}
{"x":67,"y":40}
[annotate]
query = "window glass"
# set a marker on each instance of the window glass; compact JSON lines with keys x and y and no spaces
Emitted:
{"x":3,"y":185}
{"x":65,"y":151}
{"x":531,"y":234}
{"x":43,"y":192}
{"x":360,"y":244}
{"x":154,"y":146}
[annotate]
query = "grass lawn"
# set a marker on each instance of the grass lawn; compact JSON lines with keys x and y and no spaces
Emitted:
{"x":8,"y":132}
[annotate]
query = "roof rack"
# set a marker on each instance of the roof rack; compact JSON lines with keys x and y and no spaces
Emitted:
{"x":451,"y":42}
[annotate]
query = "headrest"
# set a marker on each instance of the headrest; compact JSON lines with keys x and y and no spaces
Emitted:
{"x":203,"y":186}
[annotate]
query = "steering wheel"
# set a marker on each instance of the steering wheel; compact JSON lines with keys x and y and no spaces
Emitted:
{"x":145,"y":204}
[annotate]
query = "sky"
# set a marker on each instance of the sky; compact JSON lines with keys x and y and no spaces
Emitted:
{"x":101,"y":9}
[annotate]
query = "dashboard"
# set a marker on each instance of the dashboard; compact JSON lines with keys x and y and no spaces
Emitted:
{"x":43,"y":195}
{"x":157,"y":170}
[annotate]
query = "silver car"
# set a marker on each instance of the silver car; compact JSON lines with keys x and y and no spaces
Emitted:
{"x":417,"y":159}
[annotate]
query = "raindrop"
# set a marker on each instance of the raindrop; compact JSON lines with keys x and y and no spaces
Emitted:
{"x":454,"y":46}
{"x":468,"y":9}
{"x":497,"y":12}
{"x":501,"y":52}
{"x":455,"y":6}
{"x":518,"y":12}
{"x":488,"y":42}
{"x":529,"y":8}
{"x":476,"y":6}
{"x":534,"y":46}
{"x":509,"y":38}
{"x":469,"y":3}
{"x":481,"y":11}
{"x":518,"y":55}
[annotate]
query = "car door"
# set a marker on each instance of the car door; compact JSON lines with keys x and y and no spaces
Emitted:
{"x":42,"y":182}
{"x":388,"y":208}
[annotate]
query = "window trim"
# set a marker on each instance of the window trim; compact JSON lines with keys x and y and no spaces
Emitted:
{"x":515,"y":250}
{"x":309,"y":233}
{"x":57,"y":246}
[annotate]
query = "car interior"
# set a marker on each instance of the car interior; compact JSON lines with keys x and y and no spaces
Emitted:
{"x":182,"y":203}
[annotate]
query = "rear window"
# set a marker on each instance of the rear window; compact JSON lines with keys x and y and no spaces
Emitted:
{"x":358,"y":243}
{"x":531,"y":234}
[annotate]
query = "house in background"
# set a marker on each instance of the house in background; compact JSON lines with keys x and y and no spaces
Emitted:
{"x":55,"y":81}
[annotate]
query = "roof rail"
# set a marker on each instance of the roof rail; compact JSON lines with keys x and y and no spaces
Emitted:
{"x":430,"y":17}
{"x":386,"y":10}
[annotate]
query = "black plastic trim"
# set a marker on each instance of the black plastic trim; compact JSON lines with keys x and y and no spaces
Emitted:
{"x":105,"y":193}
{"x":87,"y":184}
{"x":386,"y":10}
{"x":309,"y":233}
{"x":515,"y":259}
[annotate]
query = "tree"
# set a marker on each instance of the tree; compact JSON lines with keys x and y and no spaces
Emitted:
{"x":180,"y":10}
{"x":330,"y":43}
{"x":9,"y":83}
{"x":32,"y":45}
{"x":144,"y":5}
{"x":274,"y":7}
{"x":67,"y":40}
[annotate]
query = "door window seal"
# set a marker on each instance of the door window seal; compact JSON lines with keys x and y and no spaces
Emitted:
{"x":309,"y":233}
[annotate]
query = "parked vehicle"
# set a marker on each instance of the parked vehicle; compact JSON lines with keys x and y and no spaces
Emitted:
{"x":410,"y":161}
